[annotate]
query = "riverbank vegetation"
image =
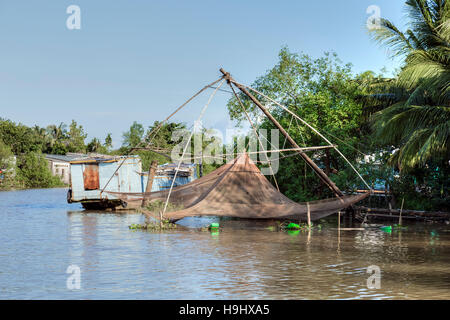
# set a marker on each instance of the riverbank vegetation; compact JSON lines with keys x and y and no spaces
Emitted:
{"x":24,"y":170}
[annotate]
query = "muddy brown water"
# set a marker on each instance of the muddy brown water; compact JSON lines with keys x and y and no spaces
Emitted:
{"x":41,"y":236}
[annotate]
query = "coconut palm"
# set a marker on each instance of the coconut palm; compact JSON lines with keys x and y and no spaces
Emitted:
{"x":95,"y":146}
{"x":57,"y":133}
{"x":418,"y":119}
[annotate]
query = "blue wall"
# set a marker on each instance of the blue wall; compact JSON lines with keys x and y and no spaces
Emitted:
{"x":129,"y":178}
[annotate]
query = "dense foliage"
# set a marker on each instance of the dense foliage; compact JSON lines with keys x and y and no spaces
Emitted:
{"x":413,"y":117}
{"x":416,"y":119}
{"x":22,"y":162}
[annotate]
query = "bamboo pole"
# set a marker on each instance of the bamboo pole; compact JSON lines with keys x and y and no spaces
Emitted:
{"x":339,"y":220}
{"x":339,"y":233}
{"x":309,"y":214}
{"x":401,"y":209}
{"x":151,"y":176}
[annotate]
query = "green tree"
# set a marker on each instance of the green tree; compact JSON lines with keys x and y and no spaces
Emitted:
{"x":5,"y":155}
{"x":75,"y":138}
{"x":417,"y":120}
{"x":159,"y":140}
{"x":55,"y":138}
{"x":96,"y":146}
{"x":324,"y":93}
{"x":108,"y":142}
{"x":19,"y":138}
{"x":35,"y":173}
{"x":7,"y":167}
{"x":134,"y":136}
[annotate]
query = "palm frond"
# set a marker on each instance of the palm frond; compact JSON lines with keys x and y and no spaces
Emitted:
{"x":389,"y":35}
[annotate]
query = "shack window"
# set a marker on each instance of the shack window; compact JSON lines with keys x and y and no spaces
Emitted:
{"x":90,"y":177}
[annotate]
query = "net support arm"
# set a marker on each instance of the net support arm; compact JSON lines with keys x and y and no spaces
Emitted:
{"x":311,"y":163}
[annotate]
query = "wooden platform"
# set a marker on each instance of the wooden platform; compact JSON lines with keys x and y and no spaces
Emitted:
{"x":394,"y":214}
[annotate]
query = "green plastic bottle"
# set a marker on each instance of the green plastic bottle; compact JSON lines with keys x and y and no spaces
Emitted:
{"x":214,"y":225}
{"x":293,"y":226}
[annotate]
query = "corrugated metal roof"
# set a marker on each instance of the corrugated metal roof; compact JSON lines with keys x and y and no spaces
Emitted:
{"x":63,"y":158}
{"x":81,"y":158}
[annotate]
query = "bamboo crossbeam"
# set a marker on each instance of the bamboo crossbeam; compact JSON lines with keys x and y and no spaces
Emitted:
{"x":257,"y":152}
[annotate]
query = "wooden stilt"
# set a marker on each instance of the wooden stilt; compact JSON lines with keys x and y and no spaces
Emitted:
{"x":200,"y":168}
{"x":309,"y":214}
{"x":339,"y":232}
{"x":151,"y":176}
{"x":401,"y":209}
{"x":339,"y":220}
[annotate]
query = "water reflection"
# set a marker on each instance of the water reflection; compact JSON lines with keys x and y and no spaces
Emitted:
{"x":244,"y":260}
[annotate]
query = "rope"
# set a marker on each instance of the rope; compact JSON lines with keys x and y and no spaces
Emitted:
{"x":304,"y":144}
{"x":157,"y":129}
{"x":187,"y":144}
{"x":347,"y":144}
{"x":311,"y":127}
{"x":285,"y":138}
{"x":257,"y":136}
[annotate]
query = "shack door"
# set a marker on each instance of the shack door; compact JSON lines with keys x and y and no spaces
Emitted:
{"x":90,"y":177}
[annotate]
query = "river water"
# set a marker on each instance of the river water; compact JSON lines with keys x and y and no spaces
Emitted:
{"x":41,"y":236}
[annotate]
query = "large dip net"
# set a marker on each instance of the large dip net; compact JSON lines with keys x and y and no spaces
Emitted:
{"x":239,"y":189}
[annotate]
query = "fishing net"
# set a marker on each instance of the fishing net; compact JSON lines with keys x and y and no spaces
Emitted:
{"x":239,"y":189}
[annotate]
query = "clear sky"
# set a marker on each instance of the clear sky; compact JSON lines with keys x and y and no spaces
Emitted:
{"x":138,"y":60}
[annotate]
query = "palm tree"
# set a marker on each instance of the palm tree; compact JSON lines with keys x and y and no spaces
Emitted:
{"x":57,"y":133}
{"x":417,"y":120}
{"x":94,"y":146}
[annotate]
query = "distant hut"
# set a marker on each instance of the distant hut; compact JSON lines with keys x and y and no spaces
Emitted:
{"x":59,"y":165}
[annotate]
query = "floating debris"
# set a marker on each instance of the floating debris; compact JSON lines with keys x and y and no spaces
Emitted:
{"x":154,"y":226}
{"x":214,"y":226}
{"x":291,"y":226}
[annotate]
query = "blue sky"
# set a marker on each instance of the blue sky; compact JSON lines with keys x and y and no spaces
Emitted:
{"x":138,"y":60}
